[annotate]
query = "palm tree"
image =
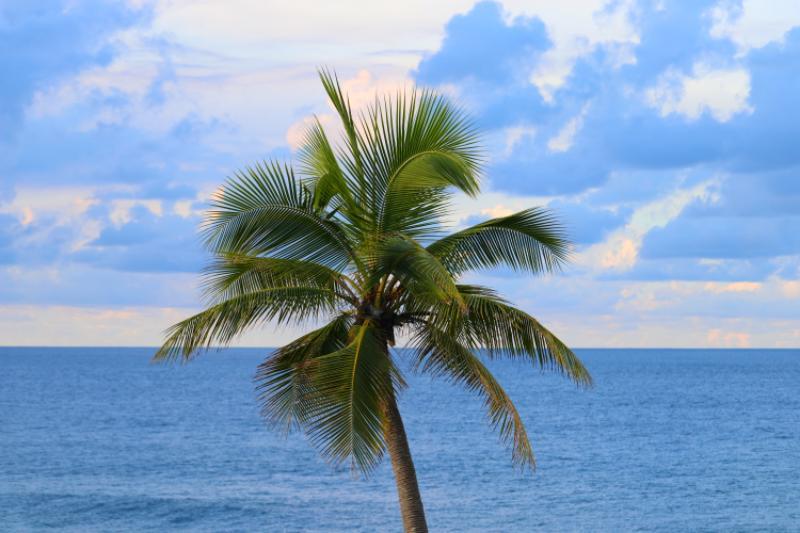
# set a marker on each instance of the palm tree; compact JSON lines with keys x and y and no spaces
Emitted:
{"x":357,"y":238}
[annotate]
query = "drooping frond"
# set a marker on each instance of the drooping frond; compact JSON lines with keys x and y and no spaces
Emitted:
{"x":283,"y":380}
{"x":531,"y":240}
{"x":265,"y":210}
{"x":493,"y":324}
{"x":440,"y":354}
{"x":220,"y":323}
{"x":350,"y":385}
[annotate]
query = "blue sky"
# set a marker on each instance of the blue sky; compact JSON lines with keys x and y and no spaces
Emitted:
{"x":664,"y":133}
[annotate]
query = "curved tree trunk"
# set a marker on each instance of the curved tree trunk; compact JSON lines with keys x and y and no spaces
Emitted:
{"x":404,"y":474}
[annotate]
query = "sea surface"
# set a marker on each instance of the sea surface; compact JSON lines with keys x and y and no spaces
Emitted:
{"x":99,"y":439}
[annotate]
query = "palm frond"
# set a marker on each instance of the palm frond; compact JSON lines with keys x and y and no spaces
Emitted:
{"x":327,"y":180}
{"x":350,"y":388}
{"x":265,"y":210}
{"x":417,"y":272}
{"x":283,"y":380}
{"x":530,"y":240}
{"x":439,"y":354}
{"x":494,"y":325}
{"x":221,"y":323}
{"x":415,"y":147}
{"x":231,"y":275}
{"x":352,"y":159}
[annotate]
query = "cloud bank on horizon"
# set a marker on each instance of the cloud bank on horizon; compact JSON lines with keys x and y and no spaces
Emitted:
{"x":664,"y":133}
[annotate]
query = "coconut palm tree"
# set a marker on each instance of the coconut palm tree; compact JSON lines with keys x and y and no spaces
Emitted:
{"x":355,"y":239}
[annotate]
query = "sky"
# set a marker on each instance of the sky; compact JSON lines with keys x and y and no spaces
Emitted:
{"x":664,"y":134}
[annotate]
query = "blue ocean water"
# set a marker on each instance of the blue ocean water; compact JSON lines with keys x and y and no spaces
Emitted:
{"x":98,"y":439}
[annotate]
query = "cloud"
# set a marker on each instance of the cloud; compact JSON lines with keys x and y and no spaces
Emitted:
{"x":739,"y":286}
{"x":749,"y":25}
{"x":677,"y":104}
{"x":566,"y":136}
{"x":746,"y":217}
{"x":620,"y":132}
{"x":728,"y":339}
{"x":480,"y":45}
{"x":51,"y":41}
{"x":721,"y":93}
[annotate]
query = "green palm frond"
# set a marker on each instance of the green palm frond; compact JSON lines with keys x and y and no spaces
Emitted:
{"x":439,"y":354}
{"x":327,"y":181}
{"x":494,"y":325}
{"x":266,"y":211}
{"x":351,"y":159}
{"x":418,"y":273}
{"x":283,"y":380}
{"x":531,"y":240}
{"x":350,"y":388}
{"x":221,"y":323}
{"x":415,"y":149}
{"x":232,"y":275}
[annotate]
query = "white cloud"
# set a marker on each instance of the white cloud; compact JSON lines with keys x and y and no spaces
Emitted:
{"x":722,"y":93}
{"x":621,"y":253}
{"x":120,"y":212}
{"x":563,"y":140}
{"x":756,"y":23}
{"x":490,"y":203}
{"x":514,"y":135}
{"x":63,"y":204}
{"x":497,"y":211}
{"x":790,"y":289}
{"x":620,"y":250}
{"x":576,"y":28}
{"x":184,"y":208}
{"x":294,"y":32}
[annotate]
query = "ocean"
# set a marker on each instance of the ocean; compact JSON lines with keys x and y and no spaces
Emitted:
{"x":99,"y":439}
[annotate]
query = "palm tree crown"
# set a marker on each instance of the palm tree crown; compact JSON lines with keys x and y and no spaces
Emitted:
{"x":355,"y":237}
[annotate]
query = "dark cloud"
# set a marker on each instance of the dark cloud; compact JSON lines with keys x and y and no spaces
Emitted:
{"x":480,"y":45}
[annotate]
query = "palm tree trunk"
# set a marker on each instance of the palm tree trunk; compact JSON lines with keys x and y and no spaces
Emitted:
{"x":404,"y":474}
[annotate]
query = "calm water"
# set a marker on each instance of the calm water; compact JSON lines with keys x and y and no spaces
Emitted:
{"x":668,"y":440}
